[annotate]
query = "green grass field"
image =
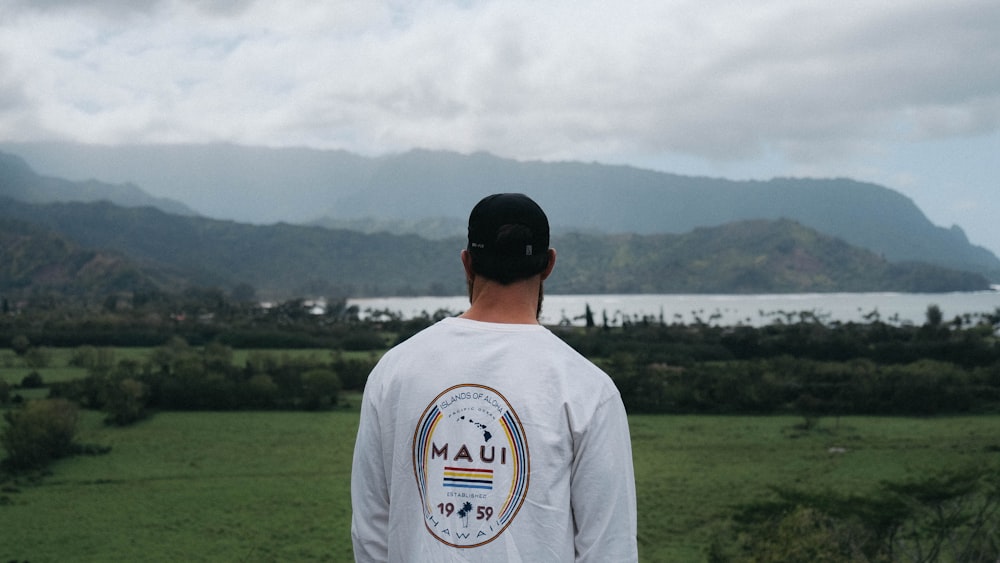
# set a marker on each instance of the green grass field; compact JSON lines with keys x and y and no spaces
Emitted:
{"x":13,"y":368}
{"x":193,"y":487}
{"x":274,"y":486}
{"x":692,"y":470}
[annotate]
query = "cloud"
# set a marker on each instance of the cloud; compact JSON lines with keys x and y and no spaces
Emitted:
{"x":11,"y":93}
{"x":118,"y":8}
{"x":809,"y":80}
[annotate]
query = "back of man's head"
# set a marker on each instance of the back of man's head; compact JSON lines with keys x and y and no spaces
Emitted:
{"x":508,"y":238}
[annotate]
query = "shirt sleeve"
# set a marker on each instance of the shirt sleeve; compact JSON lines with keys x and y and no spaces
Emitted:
{"x":369,"y":490}
{"x":603,"y":488}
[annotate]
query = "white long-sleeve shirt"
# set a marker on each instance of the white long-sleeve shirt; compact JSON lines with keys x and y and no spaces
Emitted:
{"x":491,"y":442}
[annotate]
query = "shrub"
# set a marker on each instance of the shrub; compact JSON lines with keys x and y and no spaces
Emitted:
{"x":38,"y":433}
{"x":20,"y":344}
{"x":37,"y":357}
{"x":320,"y":388}
{"x":954,"y":516}
{"x":32,"y":381}
{"x":84,"y":357}
{"x":353,"y":373}
{"x":93,"y":359}
{"x":262,"y":391}
{"x":126,"y":402}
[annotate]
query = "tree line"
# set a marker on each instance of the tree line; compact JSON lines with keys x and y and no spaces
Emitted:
{"x":173,"y":376}
{"x":799,"y":364}
{"x":802,"y":365}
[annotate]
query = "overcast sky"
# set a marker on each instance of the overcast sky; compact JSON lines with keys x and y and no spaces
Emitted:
{"x":904,"y":93}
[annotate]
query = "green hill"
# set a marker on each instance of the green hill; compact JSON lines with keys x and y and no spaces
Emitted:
{"x":742,"y":257}
{"x":37,"y":264}
{"x":280,"y":261}
{"x":284,"y":261}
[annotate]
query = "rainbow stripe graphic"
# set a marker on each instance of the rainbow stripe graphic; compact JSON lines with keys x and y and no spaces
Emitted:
{"x":519,"y":485}
{"x":466,"y":478}
{"x":421,"y":449}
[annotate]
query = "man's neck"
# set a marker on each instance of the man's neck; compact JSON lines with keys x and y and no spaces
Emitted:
{"x":516,"y":303}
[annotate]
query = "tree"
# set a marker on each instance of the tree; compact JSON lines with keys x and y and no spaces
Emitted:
{"x":32,"y":381}
{"x":20,"y":344}
{"x":39,"y":433}
{"x":125,"y":402}
{"x":4,"y":392}
{"x":934,"y":316}
{"x":217,"y":357}
{"x":320,"y":388}
{"x":37,"y":357}
{"x":95,"y":360}
{"x":262,"y":391}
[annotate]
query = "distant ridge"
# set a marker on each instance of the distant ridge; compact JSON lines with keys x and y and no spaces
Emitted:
{"x":19,"y":181}
{"x":622,"y":199}
{"x":284,"y":261}
{"x":260,"y":185}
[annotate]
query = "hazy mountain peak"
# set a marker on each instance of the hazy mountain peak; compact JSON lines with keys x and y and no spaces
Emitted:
{"x":19,"y":181}
{"x":263,"y":185}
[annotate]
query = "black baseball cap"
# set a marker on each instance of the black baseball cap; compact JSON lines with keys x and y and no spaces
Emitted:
{"x":492,"y":218}
{"x":508,"y":237}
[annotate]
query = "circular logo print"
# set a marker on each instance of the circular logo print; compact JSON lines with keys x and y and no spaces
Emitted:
{"x":470,"y":458}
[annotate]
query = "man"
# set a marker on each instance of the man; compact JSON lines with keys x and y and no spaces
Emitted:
{"x":485,"y":437}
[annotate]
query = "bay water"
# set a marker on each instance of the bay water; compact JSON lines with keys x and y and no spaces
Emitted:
{"x":719,"y":310}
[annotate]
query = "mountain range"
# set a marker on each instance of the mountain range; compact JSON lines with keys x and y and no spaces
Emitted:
{"x":430,"y":193}
{"x":617,"y":229}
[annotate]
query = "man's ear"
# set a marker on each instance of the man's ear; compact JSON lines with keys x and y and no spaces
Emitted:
{"x":552,"y":264}
{"x":467,"y":264}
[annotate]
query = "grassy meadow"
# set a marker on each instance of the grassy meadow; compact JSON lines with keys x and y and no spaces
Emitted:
{"x":259,"y":486}
{"x":691,"y":471}
{"x":274,"y":486}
